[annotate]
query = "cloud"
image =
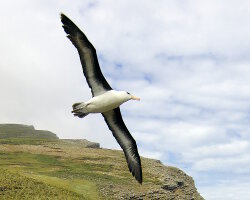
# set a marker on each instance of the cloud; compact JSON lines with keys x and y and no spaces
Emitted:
{"x":230,"y":190}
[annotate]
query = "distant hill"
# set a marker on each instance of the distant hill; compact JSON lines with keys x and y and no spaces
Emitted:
{"x":35,"y":166}
{"x":20,"y":130}
{"x":27,"y":134}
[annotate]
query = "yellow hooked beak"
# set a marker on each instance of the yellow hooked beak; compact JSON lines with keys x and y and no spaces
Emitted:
{"x":135,"y":98}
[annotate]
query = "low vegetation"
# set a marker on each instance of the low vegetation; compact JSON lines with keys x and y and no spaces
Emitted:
{"x":49,"y":168}
{"x":14,"y":186}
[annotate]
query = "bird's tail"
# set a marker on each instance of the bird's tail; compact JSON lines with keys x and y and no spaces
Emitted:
{"x":79,"y":110}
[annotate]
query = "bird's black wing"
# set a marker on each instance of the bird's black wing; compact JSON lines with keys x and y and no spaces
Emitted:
{"x":88,"y":57}
{"x":115,"y":123}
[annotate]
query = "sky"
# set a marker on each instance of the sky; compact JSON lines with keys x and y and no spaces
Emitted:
{"x":188,"y":61}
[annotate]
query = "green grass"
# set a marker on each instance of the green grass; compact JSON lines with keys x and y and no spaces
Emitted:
{"x":15,"y":186}
{"x":26,"y":140}
{"x":81,"y":176}
{"x":56,"y":169}
{"x":53,"y":171}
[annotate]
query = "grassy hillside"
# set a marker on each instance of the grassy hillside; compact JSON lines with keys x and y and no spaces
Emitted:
{"x":59,"y":169}
{"x":14,"y":186}
{"x":24,"y":131}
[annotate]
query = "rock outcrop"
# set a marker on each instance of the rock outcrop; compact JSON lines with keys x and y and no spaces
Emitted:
{"x":171,"y":184}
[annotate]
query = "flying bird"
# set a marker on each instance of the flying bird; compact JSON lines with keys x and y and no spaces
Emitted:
{"x":104,"y":99}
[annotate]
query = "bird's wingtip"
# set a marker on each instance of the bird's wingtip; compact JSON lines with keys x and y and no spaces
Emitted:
{"x":136,"y":172}
{"x":139,"y":180}
{"x":138,"y":177}
{"x":63,"y":17}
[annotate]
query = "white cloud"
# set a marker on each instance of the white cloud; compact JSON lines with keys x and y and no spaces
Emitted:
{"x":234,"y":148}
{"x":230,"y":190}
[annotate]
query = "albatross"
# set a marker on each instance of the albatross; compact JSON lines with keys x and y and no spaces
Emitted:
{"x":104,"y":99}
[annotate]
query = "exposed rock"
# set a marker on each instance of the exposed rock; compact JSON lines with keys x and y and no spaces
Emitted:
{"x":172,"y":184}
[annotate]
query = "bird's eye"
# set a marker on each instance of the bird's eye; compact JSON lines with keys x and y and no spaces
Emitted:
{"x":128,"y":93}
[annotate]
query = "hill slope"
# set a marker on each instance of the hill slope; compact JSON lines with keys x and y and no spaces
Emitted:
{"x":66,"y":169}
{"x":20,"y":131}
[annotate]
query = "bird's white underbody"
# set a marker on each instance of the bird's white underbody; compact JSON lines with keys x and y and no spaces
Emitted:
{"x":105,"y":102}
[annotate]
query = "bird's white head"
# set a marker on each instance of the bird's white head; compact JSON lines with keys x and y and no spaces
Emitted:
{"x":126,"y":96}
{"x":133,"y":97}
